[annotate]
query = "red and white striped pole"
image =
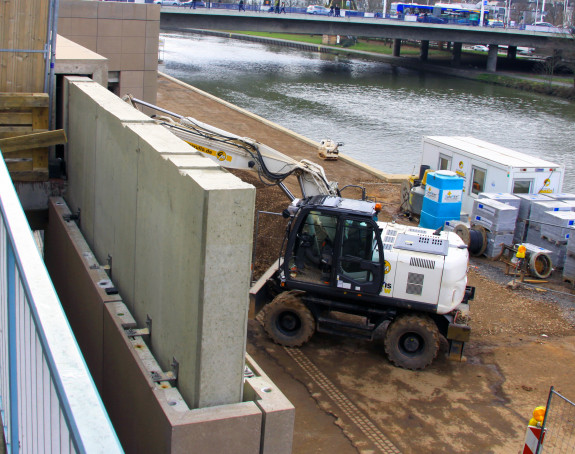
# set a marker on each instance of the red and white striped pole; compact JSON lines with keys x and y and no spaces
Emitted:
{"x":534,"y":432}
{"x":532,"y":439}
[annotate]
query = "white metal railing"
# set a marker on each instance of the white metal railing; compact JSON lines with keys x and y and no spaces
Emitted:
{"x":48,"y":400}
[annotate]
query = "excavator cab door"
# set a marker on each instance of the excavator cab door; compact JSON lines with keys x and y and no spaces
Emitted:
{"x":360,"y":259}
{"x":310,"y":254}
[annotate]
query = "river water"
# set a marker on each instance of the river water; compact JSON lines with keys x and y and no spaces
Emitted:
{"x":380,"y":112}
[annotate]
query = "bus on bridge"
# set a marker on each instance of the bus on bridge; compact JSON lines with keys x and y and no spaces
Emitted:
{"x":445,"y":13}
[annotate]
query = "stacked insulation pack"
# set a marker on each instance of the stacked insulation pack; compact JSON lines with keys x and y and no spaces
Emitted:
{"x":550,"y":223}
{"x":526,"y":201}
{"x":499,"y":219}
{"x":569,"y":266}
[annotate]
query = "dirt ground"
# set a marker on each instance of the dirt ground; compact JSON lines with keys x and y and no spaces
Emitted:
{"x":349,"y":398}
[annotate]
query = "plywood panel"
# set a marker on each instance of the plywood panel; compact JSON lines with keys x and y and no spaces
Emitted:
{"x":24,"y":32}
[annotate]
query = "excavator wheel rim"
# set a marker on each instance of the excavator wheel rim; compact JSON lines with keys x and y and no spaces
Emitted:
{"x":288,"y":321}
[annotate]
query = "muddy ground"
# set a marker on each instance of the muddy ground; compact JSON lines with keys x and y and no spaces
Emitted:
{"x":349,"y":398}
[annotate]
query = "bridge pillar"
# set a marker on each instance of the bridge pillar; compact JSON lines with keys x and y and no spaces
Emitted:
{"x":396,"y":47}
{"x":456,"y":60}
{"x":492,"y":58}
{"x":512,"y":52}
{"x":424,"y":52}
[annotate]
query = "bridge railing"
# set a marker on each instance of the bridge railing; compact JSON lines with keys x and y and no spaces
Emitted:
{"x":48,"y":401}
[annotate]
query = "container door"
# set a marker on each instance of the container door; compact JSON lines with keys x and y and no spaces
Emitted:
{"x":462,"y":166}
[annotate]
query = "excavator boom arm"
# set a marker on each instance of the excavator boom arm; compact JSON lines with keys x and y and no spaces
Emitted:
{"x":243,"y":153}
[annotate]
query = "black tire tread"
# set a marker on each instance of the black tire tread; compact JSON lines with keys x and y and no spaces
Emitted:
{"x":288,"y":301}
{"x":404,"y":324}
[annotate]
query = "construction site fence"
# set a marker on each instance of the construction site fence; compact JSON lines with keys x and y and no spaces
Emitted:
{"x":558,"y":426}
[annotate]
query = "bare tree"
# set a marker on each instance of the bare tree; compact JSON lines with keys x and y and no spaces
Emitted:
{"x":373,"y":5}
{"x":560,"y":61}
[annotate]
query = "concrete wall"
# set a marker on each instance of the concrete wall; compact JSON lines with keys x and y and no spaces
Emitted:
{"x":149,"y":413}
{"x":177,"y":230}
{"x":125,"y":33}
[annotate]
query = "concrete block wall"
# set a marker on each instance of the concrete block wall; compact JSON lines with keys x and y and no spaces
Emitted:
{"x":125,"y":33}
{"x":177,"y":231}
{"x":148,"y":411}
{"x":80,"y":282}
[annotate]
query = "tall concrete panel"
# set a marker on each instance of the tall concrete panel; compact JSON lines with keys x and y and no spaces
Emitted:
{"x":178,"y":229}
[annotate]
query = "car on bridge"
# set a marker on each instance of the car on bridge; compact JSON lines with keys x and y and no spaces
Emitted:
{"x":431,"y":19}
{"x":190,"y":4}
{"x":318,"y":10}
{"x":543,"y":24}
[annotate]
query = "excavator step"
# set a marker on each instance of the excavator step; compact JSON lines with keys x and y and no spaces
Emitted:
{"x":345,"y":328}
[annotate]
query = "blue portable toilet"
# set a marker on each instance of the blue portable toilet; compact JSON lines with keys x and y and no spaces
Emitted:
{"x":442,"y":199}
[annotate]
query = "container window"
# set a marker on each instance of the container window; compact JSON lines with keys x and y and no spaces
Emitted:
{"x":477,"y":180}
{"x":522,"y":186}
{"x":444,"y":162}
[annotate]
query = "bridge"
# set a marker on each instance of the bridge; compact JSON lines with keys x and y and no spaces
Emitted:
{"x":226,"y":19}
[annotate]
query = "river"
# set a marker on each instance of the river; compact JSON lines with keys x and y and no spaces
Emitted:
{"x":379,"y":112}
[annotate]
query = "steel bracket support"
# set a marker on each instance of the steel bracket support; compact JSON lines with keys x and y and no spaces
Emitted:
{"x":171,"y":376}
{"x":136,"y":332}
{"x":72,"y":217}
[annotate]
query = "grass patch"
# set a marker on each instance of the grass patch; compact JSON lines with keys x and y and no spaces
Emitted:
{"x":542,"y":87}
{"x":362,"y":45}
{"x":311,"y":39}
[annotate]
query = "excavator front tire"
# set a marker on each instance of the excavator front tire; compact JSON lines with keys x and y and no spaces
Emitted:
{"x":288,"y":321}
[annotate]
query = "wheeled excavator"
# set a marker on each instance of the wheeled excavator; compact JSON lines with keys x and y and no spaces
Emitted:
{"x":341,"y":270}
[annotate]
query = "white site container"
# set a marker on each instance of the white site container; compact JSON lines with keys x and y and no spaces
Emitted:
{"x":486,"y":167}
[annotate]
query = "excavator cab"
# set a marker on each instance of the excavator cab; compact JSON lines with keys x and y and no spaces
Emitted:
{"x":335,"y":249}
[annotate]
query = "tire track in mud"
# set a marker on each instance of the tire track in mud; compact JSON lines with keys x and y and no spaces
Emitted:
{"x":362,"y":422}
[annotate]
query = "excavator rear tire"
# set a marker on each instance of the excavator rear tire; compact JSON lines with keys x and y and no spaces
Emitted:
{"x":412,"y":341}
{"x":288,"y":321}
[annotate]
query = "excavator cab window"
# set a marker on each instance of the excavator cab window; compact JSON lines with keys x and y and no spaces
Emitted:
{"x":359,"y":266}
{"x":312,"y":255}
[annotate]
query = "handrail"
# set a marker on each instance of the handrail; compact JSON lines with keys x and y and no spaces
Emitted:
{"x":48,"y":399}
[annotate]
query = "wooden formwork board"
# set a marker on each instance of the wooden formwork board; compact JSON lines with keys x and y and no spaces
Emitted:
{"x":24,"y":114}
{"x":23,"y":33}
